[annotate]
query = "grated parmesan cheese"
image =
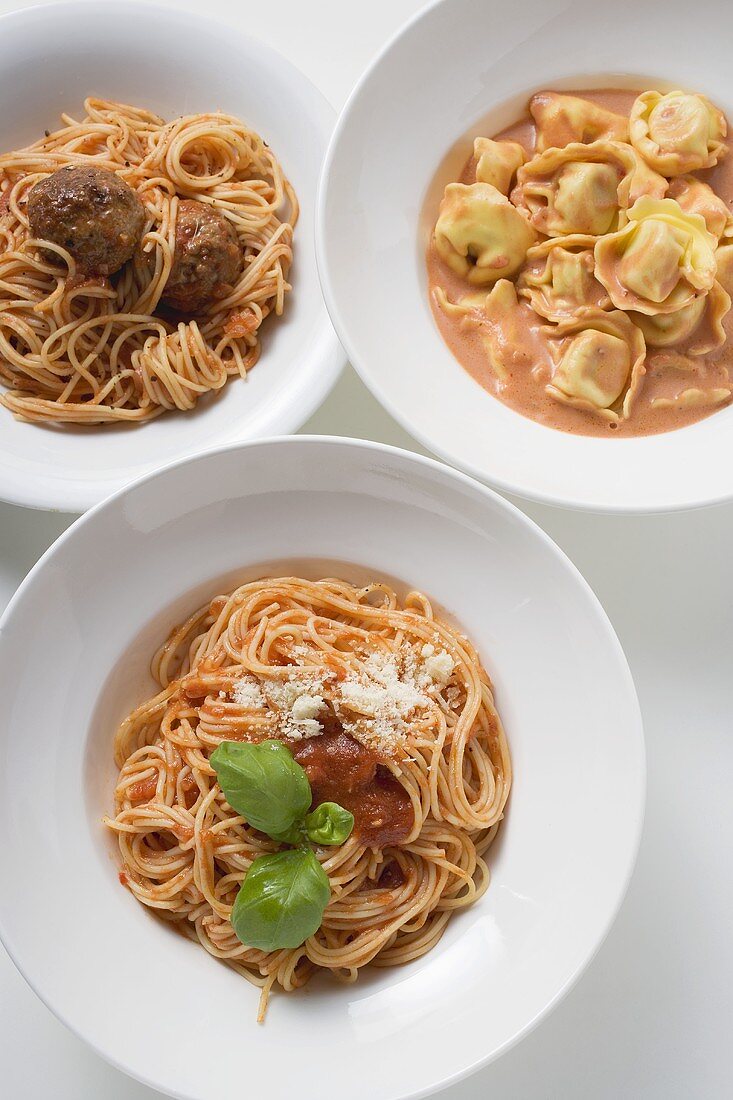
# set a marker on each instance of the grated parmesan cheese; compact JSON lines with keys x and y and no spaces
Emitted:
{"x":373,"y":703}
{"x":297,"y":701}
{"x":306,"y":707}
{"x":294,"y":702}
{"x":248,"y":694}
{"x":387,"y":690}
{"x":438,"y":666}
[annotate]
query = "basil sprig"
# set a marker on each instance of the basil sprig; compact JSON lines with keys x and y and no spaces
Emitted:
{"x":281,"y":901}
{"x":329,"y":824}
{"x":264,"y":784}
{"x":283,"y":896}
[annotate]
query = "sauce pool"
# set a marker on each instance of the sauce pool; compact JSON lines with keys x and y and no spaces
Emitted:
{"x":342,"y":770}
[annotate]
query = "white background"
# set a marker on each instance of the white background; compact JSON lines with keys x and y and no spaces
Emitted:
{"x":652,"y":1015}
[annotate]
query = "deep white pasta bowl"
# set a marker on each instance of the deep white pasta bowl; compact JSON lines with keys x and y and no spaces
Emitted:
{"x":458,"y":69}
{"x":75,"y":647}
{"x":172,"y":62}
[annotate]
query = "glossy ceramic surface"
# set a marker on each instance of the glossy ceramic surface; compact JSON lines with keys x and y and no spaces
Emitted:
{"x":75,"y":644}
{"x":172,"y":62}
{"x":458,"y":69}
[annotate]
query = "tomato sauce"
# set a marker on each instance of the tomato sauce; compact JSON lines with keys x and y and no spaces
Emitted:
{"x":241,"y":324}
{"x":392,"y":876}
{"x":144,"y":789}
{"x":342,"y":770}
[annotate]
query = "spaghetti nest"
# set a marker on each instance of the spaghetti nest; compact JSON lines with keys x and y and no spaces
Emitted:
{"x":185,"y":852}
{"x":93,"y":350}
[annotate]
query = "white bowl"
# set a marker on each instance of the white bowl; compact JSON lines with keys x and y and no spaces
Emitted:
{"x":173,"y":62}
{"x":74,"y":650}
{"x":457,"y":66}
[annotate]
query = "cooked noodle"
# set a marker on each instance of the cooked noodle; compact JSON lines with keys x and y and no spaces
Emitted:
{"x":185,"y":852}
{"x":93,"y":350}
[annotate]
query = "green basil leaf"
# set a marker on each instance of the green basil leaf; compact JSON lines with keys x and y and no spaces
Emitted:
{"x":281,"y":901}
{"x":329,"y":823}
{"x":263,"y":783}
{"x":295,"y":836}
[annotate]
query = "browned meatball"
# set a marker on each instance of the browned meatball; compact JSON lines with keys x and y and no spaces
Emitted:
{"x":92,"y":213}
{"x":207,"y":257}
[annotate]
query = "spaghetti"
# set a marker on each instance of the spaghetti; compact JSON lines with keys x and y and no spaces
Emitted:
{"x":399,"y":687}
{"x":100,"y":350}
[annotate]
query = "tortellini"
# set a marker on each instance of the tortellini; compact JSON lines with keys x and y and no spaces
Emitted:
{"x":467,"y":305}
{"x":599,"y":363}
{"x":497,"y":162}
{"x":696,"y":197}
{"x":562,"y":119}
{"x":693,"y":398}
{"x":479,"y":234}
{"x":510,"y":332}
{"x":677,"y":132}
{"x":591,"y":266}
{"x":503,"y":334}
{"x":559,"y":278}
{"x":703,"y":316}
{"x":724,"y":260}
{"x":583,"y":188}
{"x":660,"y":261}
{"x":688,"y":383}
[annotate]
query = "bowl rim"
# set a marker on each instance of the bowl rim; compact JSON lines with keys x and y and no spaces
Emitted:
{"x":73,"y":496}
{"x":636,"y":814}
{"x":448,"y":454}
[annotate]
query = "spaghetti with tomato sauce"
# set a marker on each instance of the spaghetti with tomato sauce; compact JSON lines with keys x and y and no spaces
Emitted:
{"x":370,"y":712}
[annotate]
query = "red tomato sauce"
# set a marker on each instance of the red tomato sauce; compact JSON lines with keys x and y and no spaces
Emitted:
{"x":342,"y":770}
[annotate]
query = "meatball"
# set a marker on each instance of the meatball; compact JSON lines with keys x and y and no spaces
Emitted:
{"x":92,"y":213}
{"x":206,"y":260}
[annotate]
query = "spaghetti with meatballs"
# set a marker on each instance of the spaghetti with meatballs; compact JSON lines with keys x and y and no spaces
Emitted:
{"x":138,"y":260}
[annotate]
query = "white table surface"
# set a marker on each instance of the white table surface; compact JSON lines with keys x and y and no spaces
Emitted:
{"x":652,"y":1015}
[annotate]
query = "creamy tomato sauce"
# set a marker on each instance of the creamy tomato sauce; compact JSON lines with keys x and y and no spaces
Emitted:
{"x":524,"y":387}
